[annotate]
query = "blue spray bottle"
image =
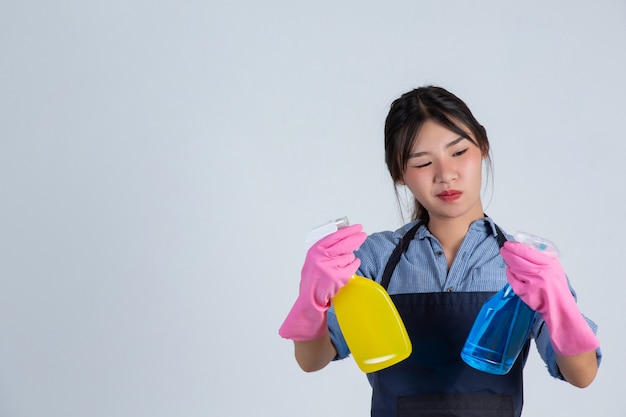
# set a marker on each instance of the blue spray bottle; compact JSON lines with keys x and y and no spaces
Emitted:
{"x":503,"y":323}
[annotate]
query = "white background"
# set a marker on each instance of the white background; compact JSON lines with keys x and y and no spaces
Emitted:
{"x":161,"y":162}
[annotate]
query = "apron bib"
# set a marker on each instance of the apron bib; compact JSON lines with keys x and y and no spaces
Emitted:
{"x":434,"y":381}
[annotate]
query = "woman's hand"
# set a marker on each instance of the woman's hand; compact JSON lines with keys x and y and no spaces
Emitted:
{"x":328,"y":266}
{"x":538,"y":279}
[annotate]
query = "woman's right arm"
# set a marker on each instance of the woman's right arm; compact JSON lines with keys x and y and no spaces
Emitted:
{"x":328,"y":266}
{"x":313,"y":355}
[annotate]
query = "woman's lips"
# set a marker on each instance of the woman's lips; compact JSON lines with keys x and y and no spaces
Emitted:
{"x":449,"y":195}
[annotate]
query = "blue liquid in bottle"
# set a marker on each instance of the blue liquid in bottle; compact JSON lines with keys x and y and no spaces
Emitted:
{"x":499,"y":333}
{"x":503,"y":323}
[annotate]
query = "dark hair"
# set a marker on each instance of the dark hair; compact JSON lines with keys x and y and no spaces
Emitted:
{"x":405,"y":119}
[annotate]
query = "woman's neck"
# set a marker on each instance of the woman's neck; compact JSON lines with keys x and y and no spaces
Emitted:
{"x":450,"y":232}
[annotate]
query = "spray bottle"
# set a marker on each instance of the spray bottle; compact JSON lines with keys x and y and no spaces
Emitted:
{"x":503,"y":323}
{"x":367,"y":316}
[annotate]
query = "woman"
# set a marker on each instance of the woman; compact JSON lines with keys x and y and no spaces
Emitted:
{"x":450,"y":263}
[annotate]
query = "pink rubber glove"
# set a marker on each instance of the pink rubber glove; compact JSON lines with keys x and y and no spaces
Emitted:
{"x":328,"y":266}
{"x":538,"y":279}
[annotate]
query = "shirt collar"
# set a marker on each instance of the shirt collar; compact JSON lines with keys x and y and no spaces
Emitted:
{"x":485,"y":224}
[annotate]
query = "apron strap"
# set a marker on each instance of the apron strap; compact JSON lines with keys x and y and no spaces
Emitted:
{"x":403,"y":245}
{"x":397,"y":253}
{"x":500,"y":237}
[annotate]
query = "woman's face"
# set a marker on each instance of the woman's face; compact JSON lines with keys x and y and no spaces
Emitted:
{"x":444,"y":173}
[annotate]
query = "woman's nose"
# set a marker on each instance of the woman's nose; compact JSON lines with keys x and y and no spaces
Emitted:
{"x":445,"y":172}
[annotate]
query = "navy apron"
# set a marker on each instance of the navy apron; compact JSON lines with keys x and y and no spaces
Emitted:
{"x":434,"y":381}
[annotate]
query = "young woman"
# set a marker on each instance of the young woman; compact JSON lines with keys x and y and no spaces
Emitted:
{"x":451,"y":263}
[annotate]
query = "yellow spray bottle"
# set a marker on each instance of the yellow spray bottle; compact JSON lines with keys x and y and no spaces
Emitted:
{"x":368,"y":319}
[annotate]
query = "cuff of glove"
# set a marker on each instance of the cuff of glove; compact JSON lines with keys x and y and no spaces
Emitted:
{"x":571,"y":335}
{"x":304,"y":324}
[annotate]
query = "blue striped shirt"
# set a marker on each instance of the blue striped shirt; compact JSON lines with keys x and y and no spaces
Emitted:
{"x":423,"y":268}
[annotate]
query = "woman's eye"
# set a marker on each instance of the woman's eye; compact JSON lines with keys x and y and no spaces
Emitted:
{"x":422,"y":165}
{"x":459,"y":153}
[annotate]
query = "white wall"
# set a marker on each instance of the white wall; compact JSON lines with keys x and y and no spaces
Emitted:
{"x":161,"y":162}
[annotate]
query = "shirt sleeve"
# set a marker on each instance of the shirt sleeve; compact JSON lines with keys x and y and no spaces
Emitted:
{"x":336,"y":337}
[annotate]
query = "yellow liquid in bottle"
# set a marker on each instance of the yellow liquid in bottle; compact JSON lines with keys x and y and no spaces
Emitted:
{"x":371,"y":325}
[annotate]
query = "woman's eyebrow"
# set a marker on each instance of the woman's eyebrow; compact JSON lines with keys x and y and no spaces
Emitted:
{"x":449,"y":145}
{"x":455,"y":141}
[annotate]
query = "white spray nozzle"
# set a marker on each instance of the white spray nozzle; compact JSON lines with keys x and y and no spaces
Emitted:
{"x":539,"y":243}
{"x":324,"y":230}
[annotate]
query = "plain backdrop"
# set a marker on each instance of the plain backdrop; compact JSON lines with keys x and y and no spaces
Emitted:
{"x":162,"y":161}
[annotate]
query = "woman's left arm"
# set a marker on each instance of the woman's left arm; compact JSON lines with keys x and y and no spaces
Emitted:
{"x":539,"y":280}
{"x":579,"y":370}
